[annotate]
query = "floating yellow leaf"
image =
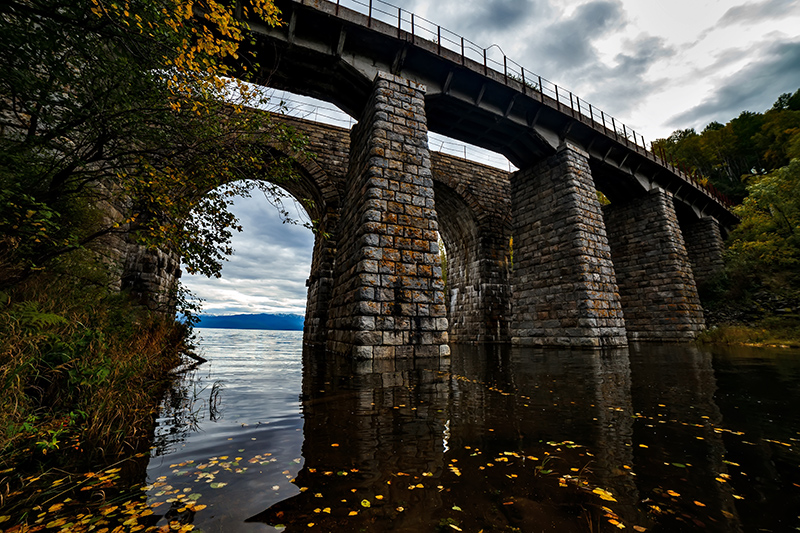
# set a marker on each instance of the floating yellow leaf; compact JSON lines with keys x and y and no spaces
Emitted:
{"x":353,"y":513}
{"x":640,"y":528}
{"x":699,"y":504}
{"x":673,"y":493}
{"x":604,"y":494}
{"x":365,"y":503}
{"x":55,"y":508}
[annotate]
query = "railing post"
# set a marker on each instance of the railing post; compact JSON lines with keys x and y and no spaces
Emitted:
{"x":522,"y":70}
{"x":485,"y":67}
{"x":412,"y":29}
{"x":541,"y":90}
{"x":505,"y":69}
{"x":399,"y":21}
{"x":439,"y":38}
{"x":558,"y":103}
{"x":625,"y":134}
{"x":337,"y":7}
{"x":614,"y":125}
{"x":591,"y":114}
{"x":572,"y":104}
{"x":462,"y":51}
{"x":369,"y":17}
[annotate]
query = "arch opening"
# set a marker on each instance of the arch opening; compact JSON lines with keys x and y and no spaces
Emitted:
{"x":477,"y":277}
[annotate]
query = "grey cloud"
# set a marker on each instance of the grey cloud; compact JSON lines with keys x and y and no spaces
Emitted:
{"x":493,"y":15}
{"x":269,"y":267}
{"x":626,"y":84}
{"x":567,"y":44}
{"x":756,"y":11}
{"x":754,"y":88}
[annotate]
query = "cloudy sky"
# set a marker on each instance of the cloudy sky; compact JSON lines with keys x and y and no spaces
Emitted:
{"x":658,"y":65}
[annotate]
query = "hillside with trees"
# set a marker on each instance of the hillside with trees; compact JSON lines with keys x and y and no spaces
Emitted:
{"x":754,"y":159}
{"x":749,"y":145}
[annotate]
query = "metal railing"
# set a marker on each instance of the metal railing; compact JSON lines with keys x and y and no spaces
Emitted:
{"x":495,"y":64}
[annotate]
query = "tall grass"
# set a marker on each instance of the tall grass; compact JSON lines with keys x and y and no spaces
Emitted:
{"x":81,"y":369}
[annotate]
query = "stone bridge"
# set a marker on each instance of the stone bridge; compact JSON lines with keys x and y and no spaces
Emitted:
{"x":533,"y":256}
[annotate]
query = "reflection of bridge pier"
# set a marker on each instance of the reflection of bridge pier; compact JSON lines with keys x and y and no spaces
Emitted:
{"x":491,"y":436}
{"x":673,"y":390}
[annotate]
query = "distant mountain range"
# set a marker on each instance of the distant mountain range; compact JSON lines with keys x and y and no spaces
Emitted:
{"x":258,"y":321}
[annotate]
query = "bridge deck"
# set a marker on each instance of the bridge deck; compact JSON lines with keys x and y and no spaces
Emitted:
{"x":333,"y":53}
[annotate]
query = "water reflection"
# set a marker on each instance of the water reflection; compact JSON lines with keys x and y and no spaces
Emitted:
{"x":500,"y":439}
{"x":654,"y":437}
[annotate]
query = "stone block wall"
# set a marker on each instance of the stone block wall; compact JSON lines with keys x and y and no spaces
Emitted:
{"x":473,"y":205}
{"x":152,"y":275}
{"x":705,"y":247}
{"x":564,"y":285}
{"x":388,"y":298}
{"x":656,"y":285}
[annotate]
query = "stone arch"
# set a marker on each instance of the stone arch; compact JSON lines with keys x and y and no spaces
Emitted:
{"x":472,"y":210}
{"x":152,"y":275}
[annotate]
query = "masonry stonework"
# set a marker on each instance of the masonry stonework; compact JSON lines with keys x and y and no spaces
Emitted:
{"x":657,"y":289}
{"x":473,"y":205}
{"x":705,"y":246}
{"x":564,"y":286}
{"x":388,"y":298}
{"x":375,"y":289}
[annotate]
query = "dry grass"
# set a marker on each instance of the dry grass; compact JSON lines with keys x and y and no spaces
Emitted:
{"x":81,"y":372}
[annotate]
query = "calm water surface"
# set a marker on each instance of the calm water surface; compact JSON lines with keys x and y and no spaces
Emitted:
{"x":653,"y":437}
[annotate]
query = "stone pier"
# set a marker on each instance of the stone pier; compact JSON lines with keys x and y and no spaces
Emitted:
{"x":656,"y":285}
{"x":388,"y":299}
{"x":564,"y":286}
{"x":705,"y":246}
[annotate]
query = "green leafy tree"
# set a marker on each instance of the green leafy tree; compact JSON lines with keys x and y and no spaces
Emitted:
{"x":766,"y":245}
{"x":115,"y":117}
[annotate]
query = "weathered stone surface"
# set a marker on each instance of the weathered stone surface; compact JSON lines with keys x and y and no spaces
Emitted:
{"x":563,"y":275}
{"x":376,"y":283}
{"x":380,"y":187}
{"x":657,"y":288}
{"x":705,"y":246}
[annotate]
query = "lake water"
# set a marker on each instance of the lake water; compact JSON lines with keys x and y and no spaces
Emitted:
{"x":649,"y":438}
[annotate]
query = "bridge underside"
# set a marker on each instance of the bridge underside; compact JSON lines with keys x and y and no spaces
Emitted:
{"x":533,"y":258}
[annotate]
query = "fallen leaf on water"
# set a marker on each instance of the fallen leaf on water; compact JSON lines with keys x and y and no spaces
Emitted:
{"x":353,"y":513}
{"x":699,"y":504}
{"x":640,"y":528}
{"x":673,"y":493}
{"x":604,"y":494}
{"x":365,"y":503}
